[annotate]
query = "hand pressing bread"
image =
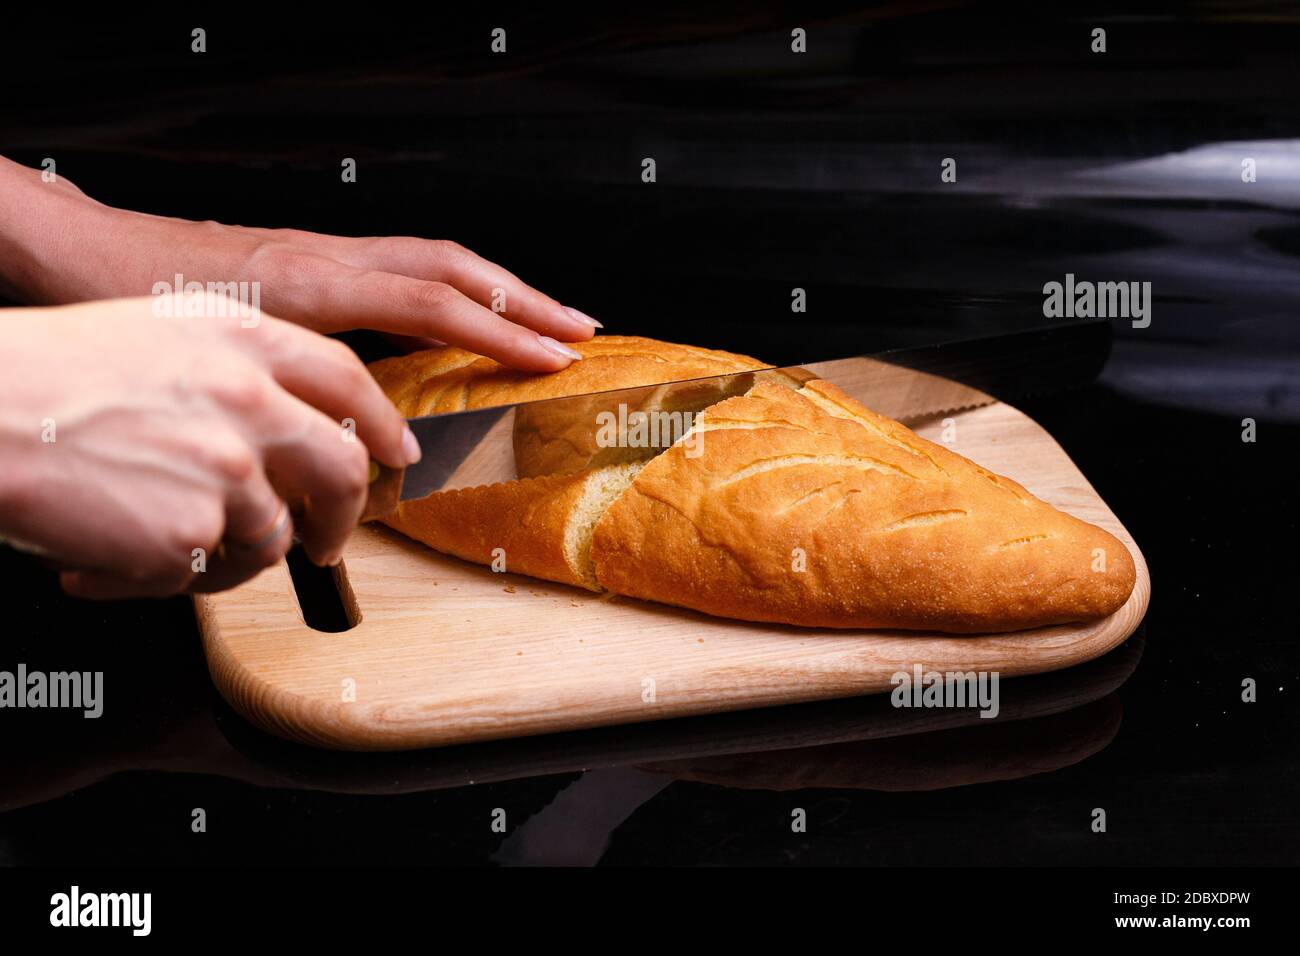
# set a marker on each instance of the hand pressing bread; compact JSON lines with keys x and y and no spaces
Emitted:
{"x":420,"y":292}
{"x":803,"y":508}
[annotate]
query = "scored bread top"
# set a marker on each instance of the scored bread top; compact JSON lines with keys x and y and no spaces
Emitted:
{"x":807,"y":508}
{"x":449,"y":379}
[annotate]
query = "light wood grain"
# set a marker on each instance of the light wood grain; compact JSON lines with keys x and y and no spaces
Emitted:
{"x":447,"y":652}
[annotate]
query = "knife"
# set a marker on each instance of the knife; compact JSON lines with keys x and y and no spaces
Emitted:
{"x":529,"y":439}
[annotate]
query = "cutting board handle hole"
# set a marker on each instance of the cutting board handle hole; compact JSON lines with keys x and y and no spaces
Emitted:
{"x":324,"y":594}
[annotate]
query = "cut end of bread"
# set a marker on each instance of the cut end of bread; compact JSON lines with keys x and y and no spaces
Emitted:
{"x":602,"y":489}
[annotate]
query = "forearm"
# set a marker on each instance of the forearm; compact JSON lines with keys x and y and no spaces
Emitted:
{"x":44,"y":228}
{"x":58,"y":245}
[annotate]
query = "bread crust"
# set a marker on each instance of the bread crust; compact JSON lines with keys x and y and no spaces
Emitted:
{"x":436,"y":381}
{"x":894,"y":531}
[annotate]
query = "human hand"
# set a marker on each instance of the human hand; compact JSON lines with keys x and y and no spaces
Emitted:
{"x":59,"y":246}
{"x":153,"y":455}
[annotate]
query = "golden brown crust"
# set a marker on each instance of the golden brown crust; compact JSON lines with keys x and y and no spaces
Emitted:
{"x":451,"y":380}
{"x":895,"y":531}
{"x":525,"y":519}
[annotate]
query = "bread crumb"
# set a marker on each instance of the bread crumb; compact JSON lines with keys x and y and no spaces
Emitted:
{"x":509,"y":589}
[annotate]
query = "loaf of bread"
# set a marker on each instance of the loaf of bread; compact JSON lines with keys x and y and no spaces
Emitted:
{"x":791,"y":503}
{"x":807,"y":508}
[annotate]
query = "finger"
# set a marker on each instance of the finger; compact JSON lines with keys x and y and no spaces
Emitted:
{"x":477,"y":278}
{"x":407,"y":306}
{"x":254,"y":512}
{"x":242,"y":558}
{"x":160,"y":562}
{"x":111,"y":586}
{"x":329,"y":295}
{"x":97,"y":585}
{"x":328,"y":375}
{"x":259,"y":532}
{"x":313,"y":459}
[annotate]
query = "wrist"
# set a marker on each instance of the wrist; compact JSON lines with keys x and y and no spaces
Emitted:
{"x":19,"y":426}
{"x":52,"y":237}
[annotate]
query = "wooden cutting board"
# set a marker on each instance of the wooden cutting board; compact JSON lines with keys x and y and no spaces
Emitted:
{"x":445,"y":652}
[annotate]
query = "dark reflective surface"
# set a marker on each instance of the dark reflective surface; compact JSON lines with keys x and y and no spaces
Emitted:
{"x":1155,"y":732}
{"x":774,"y":171}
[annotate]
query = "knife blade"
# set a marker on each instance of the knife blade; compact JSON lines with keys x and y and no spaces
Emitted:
{"x":531,"y":439}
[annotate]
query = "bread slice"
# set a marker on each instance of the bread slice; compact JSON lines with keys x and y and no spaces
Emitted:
{"x":807,"y":508}
{"x":541,"y":527}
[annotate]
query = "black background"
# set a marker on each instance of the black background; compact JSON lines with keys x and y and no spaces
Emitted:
{"x":774,"y":171}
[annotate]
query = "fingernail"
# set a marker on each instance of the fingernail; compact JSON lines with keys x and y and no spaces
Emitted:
{"x":582,"y":317}
{"x":410,"y":445}
{"x":558,"y":348}
{"x":326,"y":560}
